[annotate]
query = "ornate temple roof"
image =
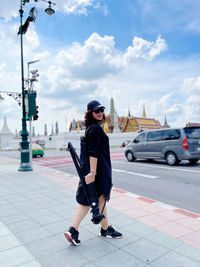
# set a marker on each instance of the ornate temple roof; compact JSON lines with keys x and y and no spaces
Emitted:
{"x":5,"y":130}
{"x":136,"y":123}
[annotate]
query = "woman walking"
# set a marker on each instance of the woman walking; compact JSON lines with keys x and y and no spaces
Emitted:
{"x":100,"y":173}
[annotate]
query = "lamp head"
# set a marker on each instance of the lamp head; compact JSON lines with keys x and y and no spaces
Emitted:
{"x":49,"y":10}
{"x":33,"y":14}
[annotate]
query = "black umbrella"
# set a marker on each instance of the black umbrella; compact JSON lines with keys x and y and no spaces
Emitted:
{"x":82,"y":167}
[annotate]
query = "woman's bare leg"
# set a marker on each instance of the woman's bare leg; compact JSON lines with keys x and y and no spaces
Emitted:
{"x":104,"y":222}
{"x":80,"y":214}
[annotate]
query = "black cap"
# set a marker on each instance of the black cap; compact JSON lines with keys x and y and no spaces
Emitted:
{"x":94,"y":105}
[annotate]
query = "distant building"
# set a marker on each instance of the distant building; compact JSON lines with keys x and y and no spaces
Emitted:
{"x":165,"y":125}
{"x":144,"y":112}
{"x":111,"y":120}
{"x":114,"y":123}
{"x":106,"y":128}
{"x":45,"y":130}
{"x":193,"y":124}
{"x":52,"y":130}
{"x":112,"y":115}
{"x":121,"y":122}
{"x":56,"y":128}
{"x":33,"y":131}
{"x":5,"y":135}
{"x":135,"y":124}
{"x":76,"y":125}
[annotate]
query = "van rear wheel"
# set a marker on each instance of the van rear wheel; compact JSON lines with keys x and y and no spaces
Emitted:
{"x":130,"y":156}
{"x":171,"y":159}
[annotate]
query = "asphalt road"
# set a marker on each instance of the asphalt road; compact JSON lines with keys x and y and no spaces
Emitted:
{"x":178,"y":186}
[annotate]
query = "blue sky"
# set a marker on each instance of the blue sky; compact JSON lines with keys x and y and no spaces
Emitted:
{"x":176,"y":21}
{"x":136,"y":51}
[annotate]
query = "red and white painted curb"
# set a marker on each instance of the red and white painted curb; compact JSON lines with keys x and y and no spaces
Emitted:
{"x":158,"y":203}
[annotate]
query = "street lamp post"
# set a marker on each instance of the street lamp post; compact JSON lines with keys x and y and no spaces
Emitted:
{"x":25,"y":153}
{"x":25,"y":157}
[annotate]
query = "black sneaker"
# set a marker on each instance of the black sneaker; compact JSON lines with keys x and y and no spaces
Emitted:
{"x":110,"y":233}
{"x":72,"y":236}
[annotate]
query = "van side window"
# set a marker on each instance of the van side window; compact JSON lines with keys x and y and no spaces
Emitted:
{"x":140,"y":138}
{"x":171,"y":134}
{"x":154,"y":136}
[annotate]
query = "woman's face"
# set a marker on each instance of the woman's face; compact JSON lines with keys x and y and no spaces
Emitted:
{"x":98,"y":115}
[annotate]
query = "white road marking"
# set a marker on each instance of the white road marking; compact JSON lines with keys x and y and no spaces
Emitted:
{"x":136,"y":173}
{"x":159,"y":167}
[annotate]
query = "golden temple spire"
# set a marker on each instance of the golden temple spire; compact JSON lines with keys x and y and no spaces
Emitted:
{"x":144,"y":112}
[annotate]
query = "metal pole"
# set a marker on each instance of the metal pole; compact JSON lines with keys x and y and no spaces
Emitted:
{"x":25,"y":162}
{"x":30,"y":123}
{"x":30,"y":118}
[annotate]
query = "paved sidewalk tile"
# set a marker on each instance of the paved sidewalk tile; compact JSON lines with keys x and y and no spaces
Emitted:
{"x":64,"y":258}
{"x":3,"y":230}
{"x":145,"y":250}
{"x":58,"y":227}
{"x":23,"y":226}
{"x":8,"y":241}
{"x":30,"y":264}
{"x":39,"y":212}
{"x":12,"y":252}
{"x":47,"y":219}
{"x":121,"y":220}
{"x":139,"y":229}
{"x":32,"y":235}
{"x":189,"y":251}
{"x":128,"y":238}
{"x":45,"y":246}
{"x":163,"y":240}
{"x":95,"y":248}
{"x":32,"y":227}
{"x":15,"y":256}
{"x":174,"y":259}
{"x":119,"y":258}
{"x":14,"y":218}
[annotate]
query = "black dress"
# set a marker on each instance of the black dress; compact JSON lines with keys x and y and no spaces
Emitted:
{"x":98,"y":147}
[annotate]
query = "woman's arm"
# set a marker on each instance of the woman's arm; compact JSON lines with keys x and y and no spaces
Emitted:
{"x":90,"y":178}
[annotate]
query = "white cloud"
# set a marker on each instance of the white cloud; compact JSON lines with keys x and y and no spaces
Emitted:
{"x":191,"y":85}
{"x":191,"y":89}
{"x":75,"y":6}
{"x":144,"y":49}
{"x":95,"y":59}
{"x":73,"y":75}
{"x":9,"y":8}
{"x":10,"y":54}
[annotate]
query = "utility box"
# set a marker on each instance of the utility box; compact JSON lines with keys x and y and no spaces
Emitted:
{"x":32,"y":110}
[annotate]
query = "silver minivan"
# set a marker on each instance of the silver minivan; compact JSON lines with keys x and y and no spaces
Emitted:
{"x":171,"y":145}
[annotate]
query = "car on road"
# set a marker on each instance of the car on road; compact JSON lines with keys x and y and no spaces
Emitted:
{"x":171,"y":145}
{"x":125,"y":143}
{"x":63,"y":147}
{"x":37,"y":151}
{"x":7,"y":148}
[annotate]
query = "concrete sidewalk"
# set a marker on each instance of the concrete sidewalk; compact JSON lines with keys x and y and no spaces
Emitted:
{"x":37,"y":207}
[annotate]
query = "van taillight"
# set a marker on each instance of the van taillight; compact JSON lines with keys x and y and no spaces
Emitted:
{"x":185,"y":143}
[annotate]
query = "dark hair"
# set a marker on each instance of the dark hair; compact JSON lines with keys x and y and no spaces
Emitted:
{"x":89,"y":119}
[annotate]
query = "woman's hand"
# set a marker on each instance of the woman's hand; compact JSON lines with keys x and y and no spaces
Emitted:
{"x":90,"y":178}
